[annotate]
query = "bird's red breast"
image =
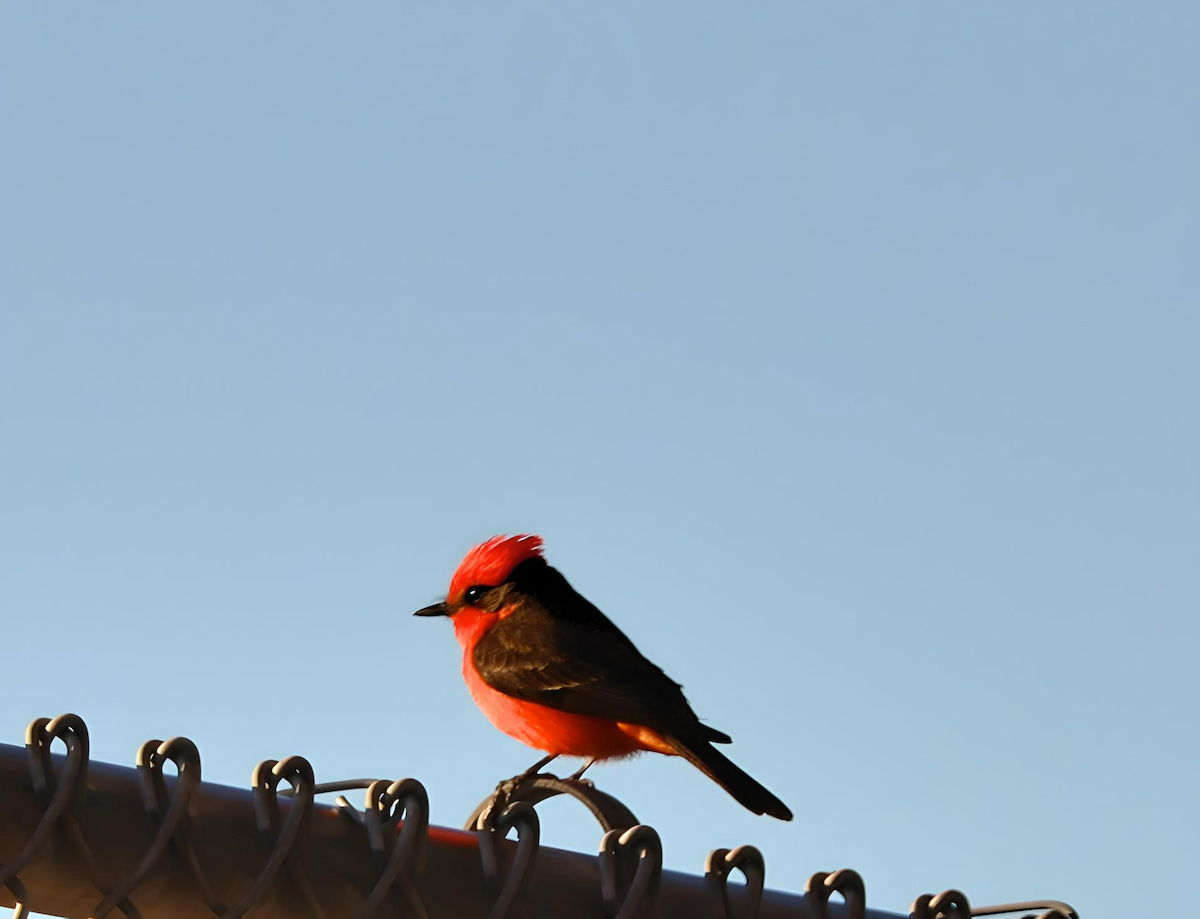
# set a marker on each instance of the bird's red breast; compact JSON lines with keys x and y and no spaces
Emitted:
{"x":552,"y":730}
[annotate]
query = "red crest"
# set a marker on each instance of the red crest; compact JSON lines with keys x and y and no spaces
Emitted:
{"x":491,"y":562}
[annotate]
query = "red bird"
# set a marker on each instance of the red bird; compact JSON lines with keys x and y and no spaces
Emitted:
{"x":549,"y":669}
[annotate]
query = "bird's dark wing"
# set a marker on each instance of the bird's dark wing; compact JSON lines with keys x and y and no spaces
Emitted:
{"x":558,"y":650}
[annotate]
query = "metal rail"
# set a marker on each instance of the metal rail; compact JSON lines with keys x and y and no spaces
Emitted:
{"x":84,"y":839}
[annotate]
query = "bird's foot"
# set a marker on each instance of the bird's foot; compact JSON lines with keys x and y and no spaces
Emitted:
{"x":511,"y":784}
{"x":536,"y":767}
{"x":577,"y":775}
{"x":506,"y":789}
{"x":498,"y":801}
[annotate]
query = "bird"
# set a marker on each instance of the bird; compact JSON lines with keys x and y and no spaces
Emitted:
{"x":549,"y":669}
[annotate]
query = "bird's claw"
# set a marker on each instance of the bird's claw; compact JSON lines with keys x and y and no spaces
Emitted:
{"x":506,"y":789}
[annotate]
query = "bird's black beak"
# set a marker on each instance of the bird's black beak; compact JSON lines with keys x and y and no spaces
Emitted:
{"x":438,"y":609}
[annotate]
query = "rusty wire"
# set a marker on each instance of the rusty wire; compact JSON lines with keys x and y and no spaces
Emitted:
{"x":395,"y":822}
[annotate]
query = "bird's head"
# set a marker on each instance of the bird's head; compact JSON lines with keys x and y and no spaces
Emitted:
{"x":481,"y":593}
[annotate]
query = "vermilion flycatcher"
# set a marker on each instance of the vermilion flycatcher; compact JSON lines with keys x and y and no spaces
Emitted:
{"x":549,"y":669}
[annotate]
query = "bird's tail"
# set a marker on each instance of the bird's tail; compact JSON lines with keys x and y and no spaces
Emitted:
{"x":714,"y":764}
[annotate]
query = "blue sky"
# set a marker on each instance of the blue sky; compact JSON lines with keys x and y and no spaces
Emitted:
{"x":844,"y":354}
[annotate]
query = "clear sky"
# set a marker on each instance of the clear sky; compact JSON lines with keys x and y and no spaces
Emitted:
{"x":845,"y":354}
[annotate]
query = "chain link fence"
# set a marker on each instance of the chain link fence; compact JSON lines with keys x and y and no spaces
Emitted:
{"x":85,"y":839}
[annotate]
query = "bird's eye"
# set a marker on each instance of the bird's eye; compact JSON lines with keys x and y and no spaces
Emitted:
{"x":474,"y":594}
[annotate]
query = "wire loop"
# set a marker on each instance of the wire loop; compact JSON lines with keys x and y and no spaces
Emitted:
{"x":524,"y":819}
{"x":183,"y":753}
{"x":36,"y":746}
{"x":717,"y":868}
{"x":297,"y":772}
{"x":847,"y":882}
{"x":151,"y":757}
{"x":949,"y":904}
{"x":61,"y":795}
{"x":642,"y":842}
{"x":382,"y":809}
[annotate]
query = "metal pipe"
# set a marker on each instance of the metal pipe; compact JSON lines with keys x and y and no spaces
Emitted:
{"x":83,"y":839}
{"x":335,"y":857}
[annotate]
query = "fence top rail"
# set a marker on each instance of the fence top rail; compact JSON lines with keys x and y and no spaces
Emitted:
{"x":89,"y":839}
